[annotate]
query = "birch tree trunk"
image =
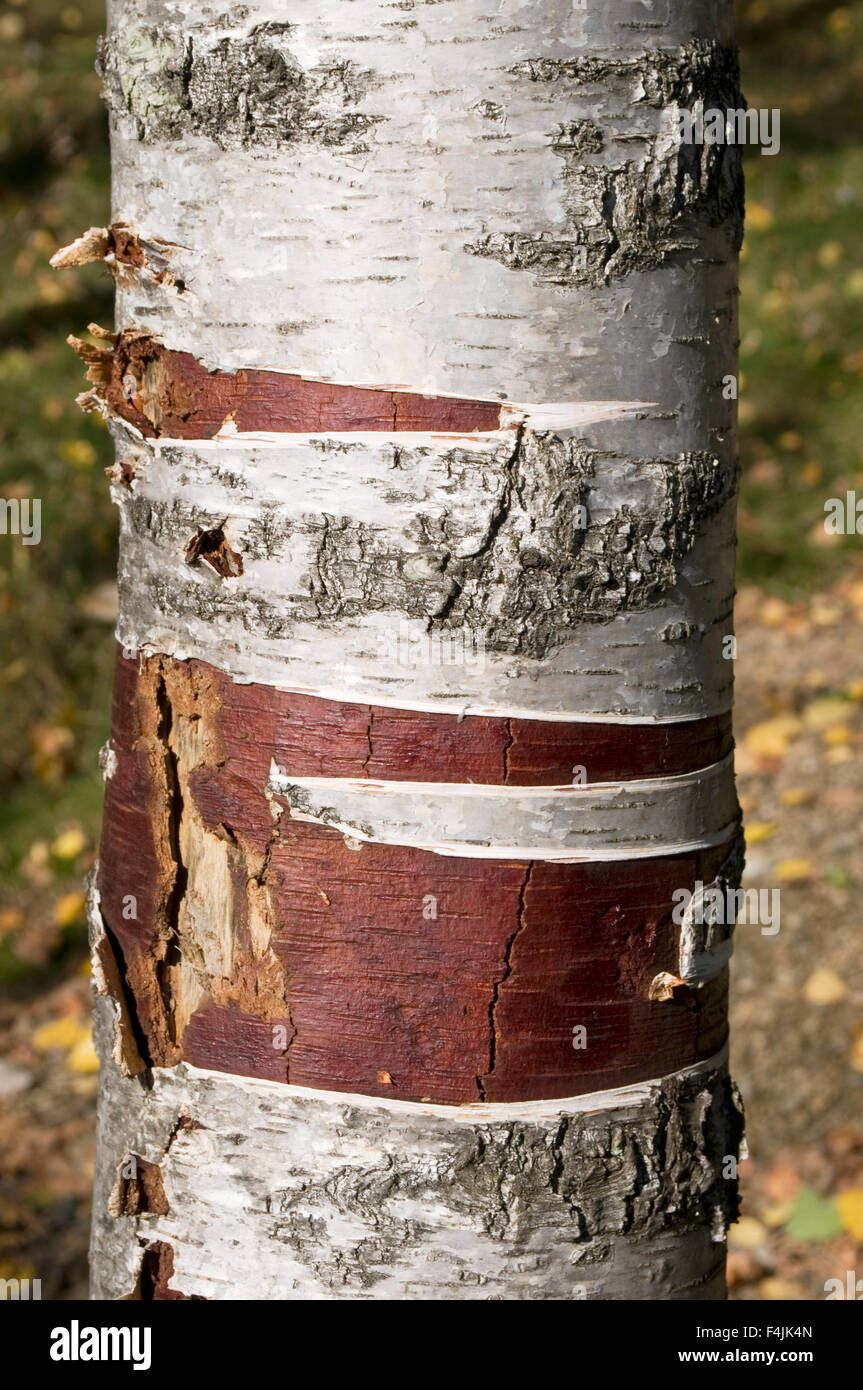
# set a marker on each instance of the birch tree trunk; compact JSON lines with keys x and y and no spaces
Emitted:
{"x":426,"y":479}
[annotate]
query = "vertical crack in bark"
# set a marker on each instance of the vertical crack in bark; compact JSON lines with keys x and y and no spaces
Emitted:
{"x":169,"y":960}
{"x":558,"y":1155}
{"x":259,"y":877}
{"x":495,"y":523}
{"x":612,"y":246}
{"x":498,"y":985}
{"x":370,"y":753}
{"x":135,"y":1053}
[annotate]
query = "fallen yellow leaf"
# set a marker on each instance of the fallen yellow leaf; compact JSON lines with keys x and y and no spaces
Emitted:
{"x":825,"y":614}
{"x":759,"y":830}
{"x":770,"y":739}
{"x":824,"y":986}
{"x":69,"y":909}
{"x":79,"y":452}
{"x":816,"y":679}
{"x":65,"y":1032}
{"x":834,"y":756}
{"x":10,"y":919}
{"x":773,"y":612}
{"x":837,"y":736}
{"x":826,"y":712}
{"x":839,"y":22}
{"x":793,"y":870}
{"x":856,"y":1058}
{"x":790,"y":439}
{"x":746,"y":1234}
{"x":758,"y":217}
{"x":795,"y":796}
{"x":850,"y":1207}
{"x":777,"y":1290}
{"x":777,"y":1214}
{"x":69,"y":845}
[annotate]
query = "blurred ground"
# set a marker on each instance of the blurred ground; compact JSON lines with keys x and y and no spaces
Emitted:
{"x":797,"y":996}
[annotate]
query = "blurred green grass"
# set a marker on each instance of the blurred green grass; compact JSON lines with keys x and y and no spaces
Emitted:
{"x":801,"y":292}
{"x":55,"y":655}
{"x":801,"y":400}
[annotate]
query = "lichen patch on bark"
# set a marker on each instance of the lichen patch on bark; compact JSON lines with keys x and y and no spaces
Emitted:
{"x":237,"y":90}
{"x":536,"y":559}
{"x":633,"y":214}
{"x":657,"y":78}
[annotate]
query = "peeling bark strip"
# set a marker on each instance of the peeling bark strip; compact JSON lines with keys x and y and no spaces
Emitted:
{"x":508,"y":573}
{"x":125,"y":253}
{"x":603,"y":823}
{"x":312,"y":1196}
{"x":257,"y":934}
{"x":172,"y":394}
{"x":426,"y":475}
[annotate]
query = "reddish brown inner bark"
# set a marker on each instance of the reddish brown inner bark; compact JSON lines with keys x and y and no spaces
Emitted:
{"x":311,"y":737}
{"x":172,"y":394}
{"x":405,"y":974}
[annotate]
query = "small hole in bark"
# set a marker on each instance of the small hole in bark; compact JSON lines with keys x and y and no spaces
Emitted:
{"x":124,"y":244}
{"x":212,"y":546}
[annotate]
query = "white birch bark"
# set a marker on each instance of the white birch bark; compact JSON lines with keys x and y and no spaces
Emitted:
{"x":454,"y":199}
{"x":282,"y":1192}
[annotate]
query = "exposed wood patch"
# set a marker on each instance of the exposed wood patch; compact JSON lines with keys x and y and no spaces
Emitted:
{"x":188,"y":904}
{"x":139,"y":1189}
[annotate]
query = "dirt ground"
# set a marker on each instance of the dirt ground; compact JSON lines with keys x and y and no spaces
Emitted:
{"x":797,"y":1020}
